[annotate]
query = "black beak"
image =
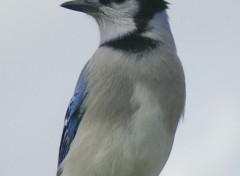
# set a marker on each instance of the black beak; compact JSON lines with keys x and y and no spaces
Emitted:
{"x":82,"y":6}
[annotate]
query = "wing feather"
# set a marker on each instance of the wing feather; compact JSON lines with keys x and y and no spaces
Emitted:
{"x":74,"y":115}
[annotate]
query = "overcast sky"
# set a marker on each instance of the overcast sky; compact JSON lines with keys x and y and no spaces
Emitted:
{"x":43,"y":48}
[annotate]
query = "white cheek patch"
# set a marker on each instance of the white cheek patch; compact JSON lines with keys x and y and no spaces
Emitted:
{"x":118,"y":21}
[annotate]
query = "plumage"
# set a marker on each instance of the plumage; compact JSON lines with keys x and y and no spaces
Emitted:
{"x":74,"y":114}
{"x":130,"y":96}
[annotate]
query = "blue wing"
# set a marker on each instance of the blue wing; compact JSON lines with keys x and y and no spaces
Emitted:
{"x":74,"y":115}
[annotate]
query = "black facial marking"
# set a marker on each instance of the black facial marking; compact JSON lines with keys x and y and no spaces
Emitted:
{"x":105,"y":2}
{"x":132,"y":43}
{"x":148,"y":8}
{"x":135,"y":42}
{"x":119,"y":1}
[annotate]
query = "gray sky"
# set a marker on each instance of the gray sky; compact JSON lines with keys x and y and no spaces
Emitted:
{"x":43,"y":48}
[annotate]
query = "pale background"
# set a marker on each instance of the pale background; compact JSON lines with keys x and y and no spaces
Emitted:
{"x":43,"y":47}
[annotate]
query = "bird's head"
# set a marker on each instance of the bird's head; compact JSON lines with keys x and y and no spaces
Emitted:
{"x":117,"y":8}
{"x":118,"y":18}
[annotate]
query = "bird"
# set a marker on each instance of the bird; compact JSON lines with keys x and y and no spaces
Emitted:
{"x":130,"y":95}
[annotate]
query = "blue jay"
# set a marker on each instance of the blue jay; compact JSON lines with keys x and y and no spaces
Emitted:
{"x":122,"y":118}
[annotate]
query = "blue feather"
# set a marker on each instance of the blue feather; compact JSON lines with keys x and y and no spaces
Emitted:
{"x":74,"y":115}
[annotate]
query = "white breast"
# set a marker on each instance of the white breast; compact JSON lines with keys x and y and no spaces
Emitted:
{"x":150,"y":137}
{"x":131,"y":137}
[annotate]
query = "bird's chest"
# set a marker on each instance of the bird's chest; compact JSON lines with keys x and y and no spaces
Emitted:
{"x":122,"y":86}
{"x":123,"y":131}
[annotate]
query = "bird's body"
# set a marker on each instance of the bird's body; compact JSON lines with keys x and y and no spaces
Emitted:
{"x":129,"y":98}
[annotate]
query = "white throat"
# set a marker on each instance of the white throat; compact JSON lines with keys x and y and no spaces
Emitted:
{"x":112,"y":29}
{"x":118,"y":20}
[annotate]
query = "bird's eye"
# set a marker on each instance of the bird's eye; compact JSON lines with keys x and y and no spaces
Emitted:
{"x":106,"y":2}
{"x":119,"y":1}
